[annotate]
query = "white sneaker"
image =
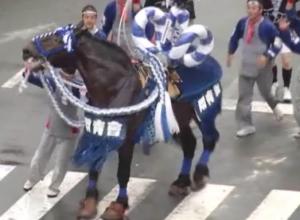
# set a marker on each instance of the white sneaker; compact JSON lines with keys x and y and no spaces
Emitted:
{"x":287,"y":96}
{"x":278,"y":113}
{"x":296,"y":135}
{"x":274,"y":88}
{"x":28,"y":185}
{"x":246,"y":131}
{"x":52,"y":193}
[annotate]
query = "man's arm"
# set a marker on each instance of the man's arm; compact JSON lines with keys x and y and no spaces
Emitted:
{"x":236,"y":36}
{"x":35,"y":79}
{"x":291,"y":40}
{"x":270,"y":35}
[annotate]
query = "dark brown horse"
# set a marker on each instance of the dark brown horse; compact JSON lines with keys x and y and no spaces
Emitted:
{"x":112,"y":82}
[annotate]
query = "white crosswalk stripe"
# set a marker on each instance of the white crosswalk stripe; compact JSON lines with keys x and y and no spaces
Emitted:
{"x":14,"y":80}
{"x":258,"y":106}
{"x":199,"y":205}
{"x":278,"y":205}
{"x":138,"y":189}
{"x":5,"y":170}
{"x":35,"y":204}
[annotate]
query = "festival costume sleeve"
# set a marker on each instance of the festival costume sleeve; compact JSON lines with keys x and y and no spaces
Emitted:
{"x":236,"y":36}
{"x":292,"y":42}
{"x":109,"y":17}
{"x":101,"y":35}
{"x":269,"y":34}
{"x":35,"y":79}
{"x":293,"y":16}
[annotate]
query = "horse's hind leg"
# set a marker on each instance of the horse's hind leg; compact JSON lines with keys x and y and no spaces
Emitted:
{"x":116,"y":210}
{"x":88,"y":209}
{"x":184,"y":114}
{"x":210,"y":137}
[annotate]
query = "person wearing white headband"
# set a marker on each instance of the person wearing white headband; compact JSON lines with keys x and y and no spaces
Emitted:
{"x":261,"y":44}
{"x":89,"y":21}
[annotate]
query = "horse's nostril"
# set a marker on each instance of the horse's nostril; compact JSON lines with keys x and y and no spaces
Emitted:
{"x":25,"y":51}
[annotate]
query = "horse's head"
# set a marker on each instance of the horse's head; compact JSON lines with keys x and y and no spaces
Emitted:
{"x":56,"y":47}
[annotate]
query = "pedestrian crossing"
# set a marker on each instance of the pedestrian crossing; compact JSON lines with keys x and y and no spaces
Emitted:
{"x":34,"y":205}
{"x":5,"y":170}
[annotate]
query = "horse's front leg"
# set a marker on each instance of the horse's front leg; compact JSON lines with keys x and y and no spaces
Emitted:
{"x":184,"y":113}
{"x":210,"y":137}
{"x":117,"y":209}
{"x":88,"y":206}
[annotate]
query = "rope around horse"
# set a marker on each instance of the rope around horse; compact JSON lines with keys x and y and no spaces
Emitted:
{"x":159,"y":77}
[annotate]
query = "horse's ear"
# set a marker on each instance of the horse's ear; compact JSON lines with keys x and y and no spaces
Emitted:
{"x":80,"y":25}
{"x":79,"y":29}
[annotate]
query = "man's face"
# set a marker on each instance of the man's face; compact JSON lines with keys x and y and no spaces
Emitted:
{"x":89,"y":20}
{"x":254,"y":10}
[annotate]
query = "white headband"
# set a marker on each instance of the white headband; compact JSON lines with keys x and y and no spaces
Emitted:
{"x":253,"y":2}
{"x":89,"y":12}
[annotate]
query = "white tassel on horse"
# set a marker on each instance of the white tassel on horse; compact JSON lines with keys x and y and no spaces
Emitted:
{"x":171,"y":119}
{"x":23,"y":82}
{"x":159,"y":134}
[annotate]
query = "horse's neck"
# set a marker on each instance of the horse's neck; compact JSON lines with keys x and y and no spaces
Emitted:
{"x":107,"y":73}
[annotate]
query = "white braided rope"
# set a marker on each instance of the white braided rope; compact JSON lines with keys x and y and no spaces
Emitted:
{"x":61,"y":114}
{"x":116,"y":111}
{"x":196,"y":39}
{"x":74,"y":85}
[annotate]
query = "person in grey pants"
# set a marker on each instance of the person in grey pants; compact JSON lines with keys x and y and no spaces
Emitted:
{"x":57,"y":135}
{"x":260,"y":46}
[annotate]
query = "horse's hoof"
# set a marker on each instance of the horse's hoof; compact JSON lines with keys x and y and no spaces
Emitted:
{"x":115,"y":211}
{"x":88,"y":209}
{"x":180,"y":187}
{"x":200,"y":178}
{"x":147,"y":149}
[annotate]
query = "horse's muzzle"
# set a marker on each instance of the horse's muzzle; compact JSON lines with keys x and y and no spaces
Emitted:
{"x":33,"y":65}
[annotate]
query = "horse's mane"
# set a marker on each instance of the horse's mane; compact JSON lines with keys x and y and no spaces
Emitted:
{"x":109,"y":45}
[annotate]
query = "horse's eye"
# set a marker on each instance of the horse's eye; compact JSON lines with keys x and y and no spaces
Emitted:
{"x":57,"y":40}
